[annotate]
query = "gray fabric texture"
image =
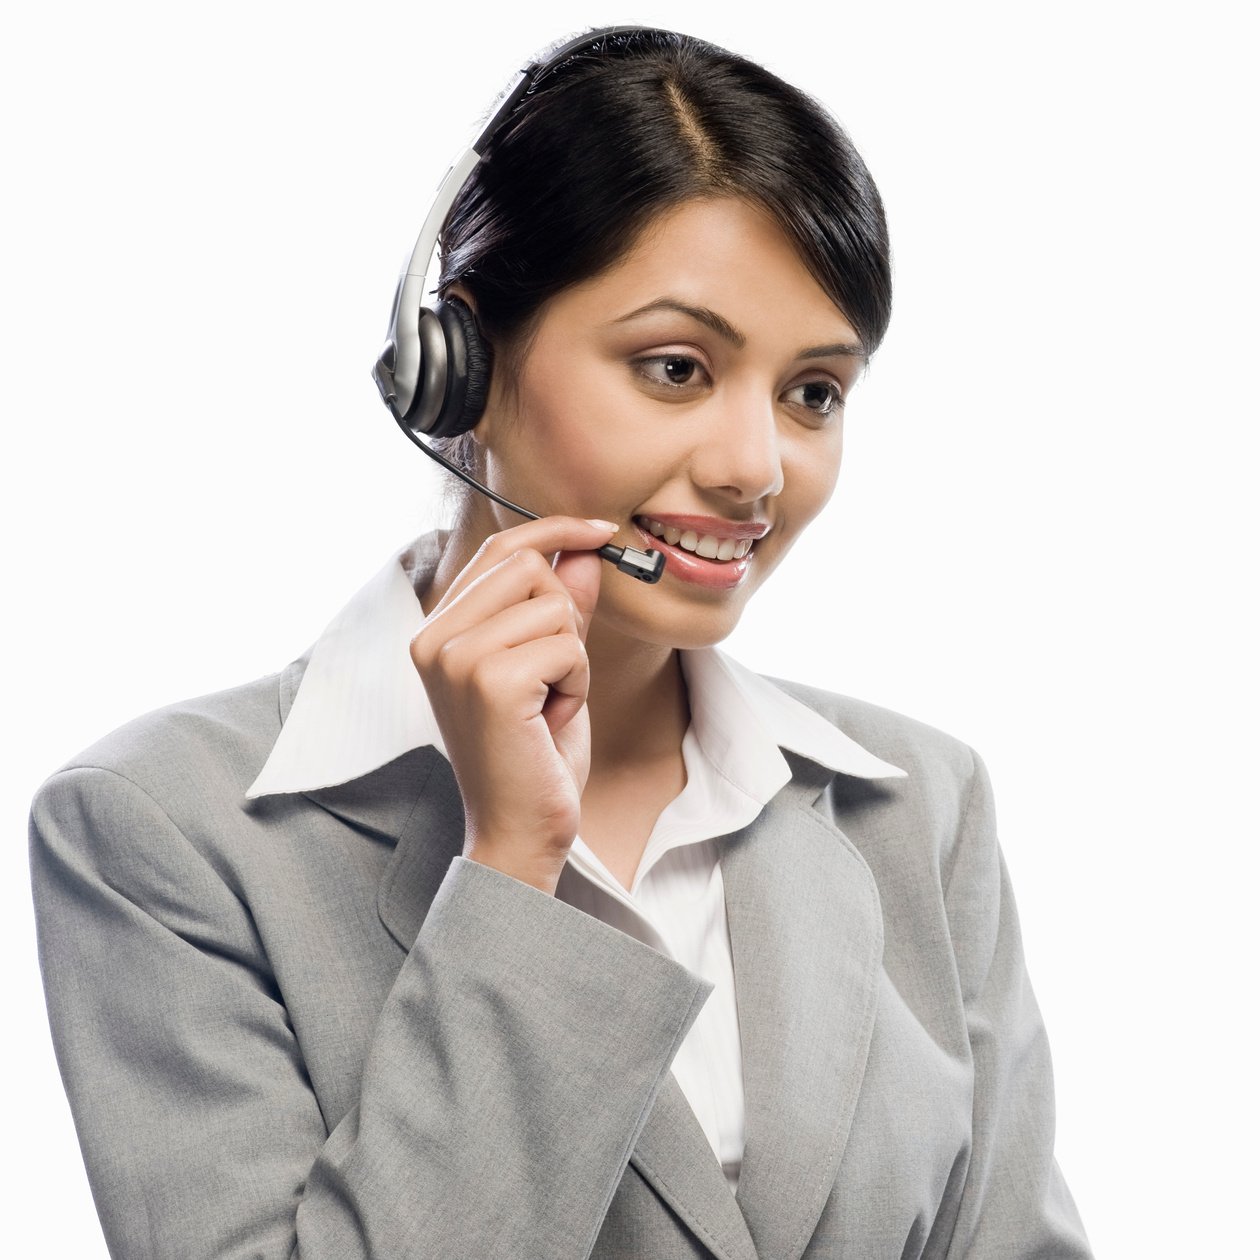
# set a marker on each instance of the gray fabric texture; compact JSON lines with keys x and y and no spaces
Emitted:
{"x":306,"y":1026}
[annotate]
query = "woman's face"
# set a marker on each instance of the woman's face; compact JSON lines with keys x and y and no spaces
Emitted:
{"x":692,"y":393}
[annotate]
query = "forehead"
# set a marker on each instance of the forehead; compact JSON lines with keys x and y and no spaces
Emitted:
{"x":723,"y":253}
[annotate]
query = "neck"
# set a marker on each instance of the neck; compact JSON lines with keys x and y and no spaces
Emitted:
{"x":637,"y":699}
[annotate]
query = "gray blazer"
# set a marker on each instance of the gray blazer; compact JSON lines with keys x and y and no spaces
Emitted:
{"x":305,"y":1026}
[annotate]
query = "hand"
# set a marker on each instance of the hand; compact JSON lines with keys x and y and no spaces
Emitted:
{"x":503,"y":659}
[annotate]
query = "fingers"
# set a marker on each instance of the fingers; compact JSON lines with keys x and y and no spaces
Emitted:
{"x":546,"y":537}
{"x":547,"y":676}
{"x":550,"y":613}
{"x":580,"y":571}
{"x":519,"y":598}
{"x":561,"y":662}
{"x":512,"y":642}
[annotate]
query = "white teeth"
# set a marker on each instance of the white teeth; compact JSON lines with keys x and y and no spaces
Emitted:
{"x":709,"y":546}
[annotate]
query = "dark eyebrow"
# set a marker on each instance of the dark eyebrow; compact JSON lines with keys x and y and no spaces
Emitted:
{"x":711,"y":319}
{"x":728,"y":332}
{"x":840,"y":347}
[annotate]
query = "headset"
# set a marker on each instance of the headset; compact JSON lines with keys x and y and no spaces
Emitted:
{"x":434,"y":370}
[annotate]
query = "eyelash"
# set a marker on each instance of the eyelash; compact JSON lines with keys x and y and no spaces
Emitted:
{"x":837,"y":395}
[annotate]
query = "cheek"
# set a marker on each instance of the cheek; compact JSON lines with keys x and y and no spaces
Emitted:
{"x":563,"y":430}
{"x":574,"y":461}
{"x":599,"y":457}
{"x":810,"y":481}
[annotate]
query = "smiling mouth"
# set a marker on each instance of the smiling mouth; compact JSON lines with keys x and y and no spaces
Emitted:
{"x":706,"y":546}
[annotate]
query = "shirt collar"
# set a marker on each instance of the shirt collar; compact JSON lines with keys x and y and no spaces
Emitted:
{"x":361,"y":703}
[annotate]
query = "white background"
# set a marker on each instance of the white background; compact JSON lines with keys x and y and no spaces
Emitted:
{"x":1042,"y":539}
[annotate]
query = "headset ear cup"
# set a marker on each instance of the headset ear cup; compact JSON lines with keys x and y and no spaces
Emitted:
{"x":468,"y":362}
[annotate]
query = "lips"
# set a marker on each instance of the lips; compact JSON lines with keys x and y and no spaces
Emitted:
{"x":709,"y":546}
{"x":704,"y":550}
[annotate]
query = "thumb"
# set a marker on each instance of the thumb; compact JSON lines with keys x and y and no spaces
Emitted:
{"x":580,"y":572}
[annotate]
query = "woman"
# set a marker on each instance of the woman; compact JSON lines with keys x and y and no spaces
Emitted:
{"x":513,"y":919}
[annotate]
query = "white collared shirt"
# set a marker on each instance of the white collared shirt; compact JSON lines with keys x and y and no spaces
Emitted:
{"x":361,"y":704}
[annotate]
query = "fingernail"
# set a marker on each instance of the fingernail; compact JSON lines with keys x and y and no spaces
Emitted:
{"x":609,"y":525}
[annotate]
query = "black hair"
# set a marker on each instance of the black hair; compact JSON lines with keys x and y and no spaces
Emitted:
{"x":630,"y":127}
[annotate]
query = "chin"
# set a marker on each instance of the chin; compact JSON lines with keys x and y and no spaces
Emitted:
{"x":658,"y":617}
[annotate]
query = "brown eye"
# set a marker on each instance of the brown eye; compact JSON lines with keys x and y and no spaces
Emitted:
{"x":678,"y":370}
{"x":821,"y":397}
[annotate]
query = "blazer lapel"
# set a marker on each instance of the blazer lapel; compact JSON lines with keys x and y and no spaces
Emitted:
{"x":675,"y":1158}
{"x":429,"y":838}
{"x":807,"y":941}
{"x":412,"y":802}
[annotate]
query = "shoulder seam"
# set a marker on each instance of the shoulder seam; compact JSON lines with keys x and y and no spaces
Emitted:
{"x":161,"y":809}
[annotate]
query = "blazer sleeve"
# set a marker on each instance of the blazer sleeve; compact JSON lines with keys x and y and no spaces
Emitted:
{"x":1015,"y":1204}
{"x":512,"y":1068}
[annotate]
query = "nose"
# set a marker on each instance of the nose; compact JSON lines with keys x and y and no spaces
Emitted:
{"x":740,"y":455}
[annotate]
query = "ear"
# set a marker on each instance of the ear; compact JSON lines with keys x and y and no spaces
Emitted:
{"x":461,"y":291}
